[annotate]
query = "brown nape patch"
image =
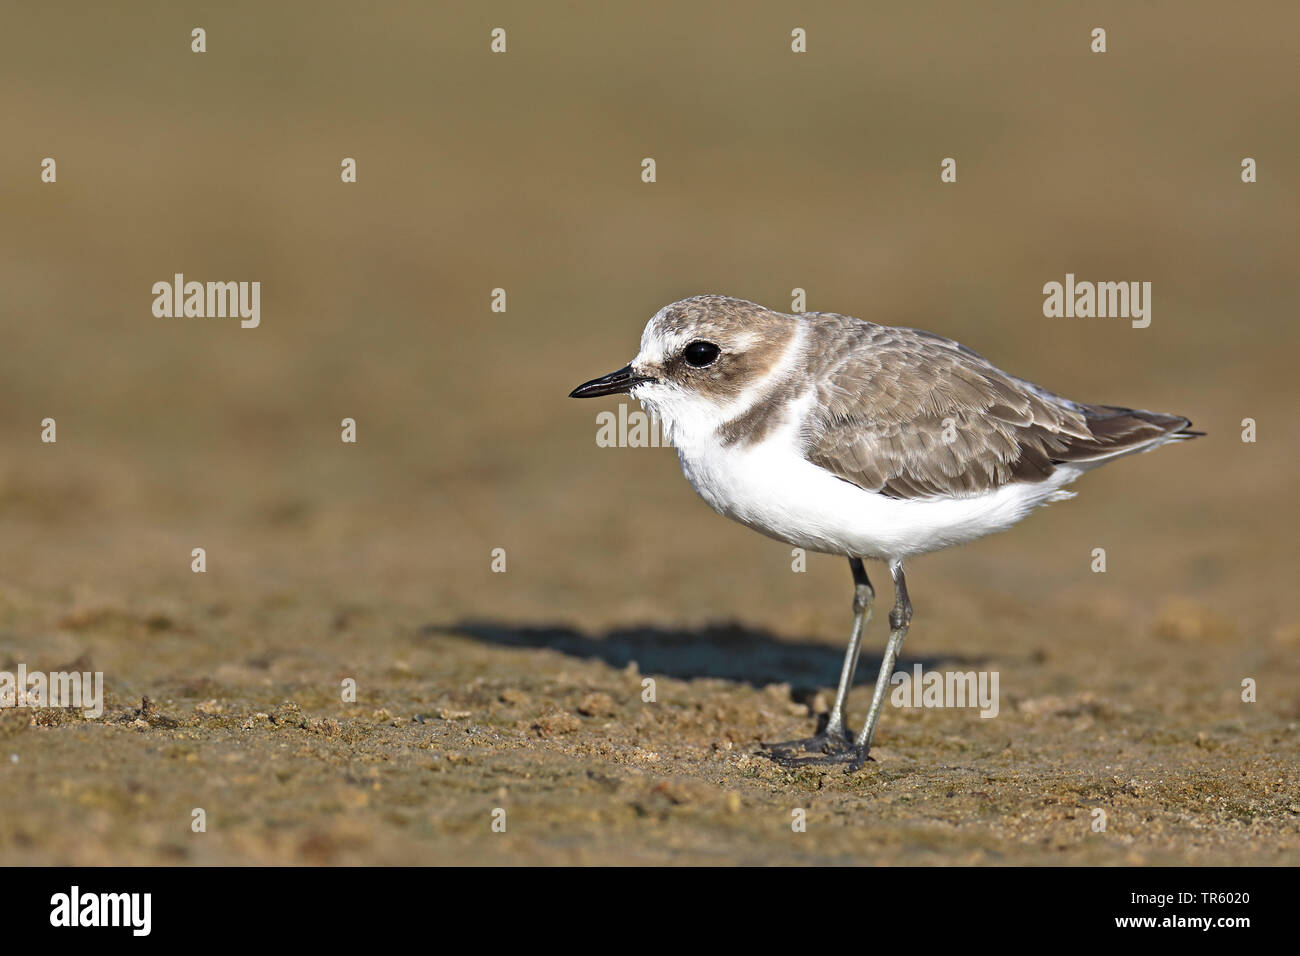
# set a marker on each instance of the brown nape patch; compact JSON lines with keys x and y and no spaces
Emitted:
{"x":752,"y":340}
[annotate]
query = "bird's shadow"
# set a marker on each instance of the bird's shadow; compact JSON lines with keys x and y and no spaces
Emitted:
{"x":725,"y":650}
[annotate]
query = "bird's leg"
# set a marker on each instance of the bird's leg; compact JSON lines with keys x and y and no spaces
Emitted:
{"x":863,"y":595}
{"x":835,"y":736}
{"x":900,"y":617}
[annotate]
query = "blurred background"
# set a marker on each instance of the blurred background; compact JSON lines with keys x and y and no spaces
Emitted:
{"x":522,"y":171}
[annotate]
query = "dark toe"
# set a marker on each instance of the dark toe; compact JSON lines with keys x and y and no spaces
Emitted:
{"x":854,"y":758}
{"x":826,"y":744}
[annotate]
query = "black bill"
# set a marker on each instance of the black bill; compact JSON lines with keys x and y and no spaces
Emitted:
{"x":615,"y":383}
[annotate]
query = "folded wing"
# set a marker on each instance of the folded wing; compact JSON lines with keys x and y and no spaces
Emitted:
{"x":910,"y":414}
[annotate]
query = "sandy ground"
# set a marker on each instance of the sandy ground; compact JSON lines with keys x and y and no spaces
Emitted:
{"x":1105,"y":703}
{"x":523,"y":691}
{"x":587,"y":774}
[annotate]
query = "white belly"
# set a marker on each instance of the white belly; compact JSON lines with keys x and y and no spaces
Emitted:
{"x":772,"y":489}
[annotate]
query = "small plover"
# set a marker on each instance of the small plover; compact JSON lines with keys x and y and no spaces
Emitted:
{"x":841,"y":436}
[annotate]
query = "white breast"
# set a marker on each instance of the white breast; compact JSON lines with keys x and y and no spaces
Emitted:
{"x":772,"y":488}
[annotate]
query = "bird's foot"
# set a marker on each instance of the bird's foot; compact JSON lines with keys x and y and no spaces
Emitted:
{"x":819,"y":751}
{"x":827,"y":743}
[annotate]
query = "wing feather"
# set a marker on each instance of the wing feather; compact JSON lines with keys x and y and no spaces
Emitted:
{"x":911,"y":414}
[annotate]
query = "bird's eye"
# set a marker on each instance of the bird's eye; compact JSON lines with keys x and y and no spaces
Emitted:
{"x":700,"y":354}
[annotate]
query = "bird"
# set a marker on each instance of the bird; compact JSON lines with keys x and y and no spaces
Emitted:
{"x":840,"y":436}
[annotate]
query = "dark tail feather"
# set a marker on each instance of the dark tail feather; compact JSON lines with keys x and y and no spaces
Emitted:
{"x":1121,"y":431}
